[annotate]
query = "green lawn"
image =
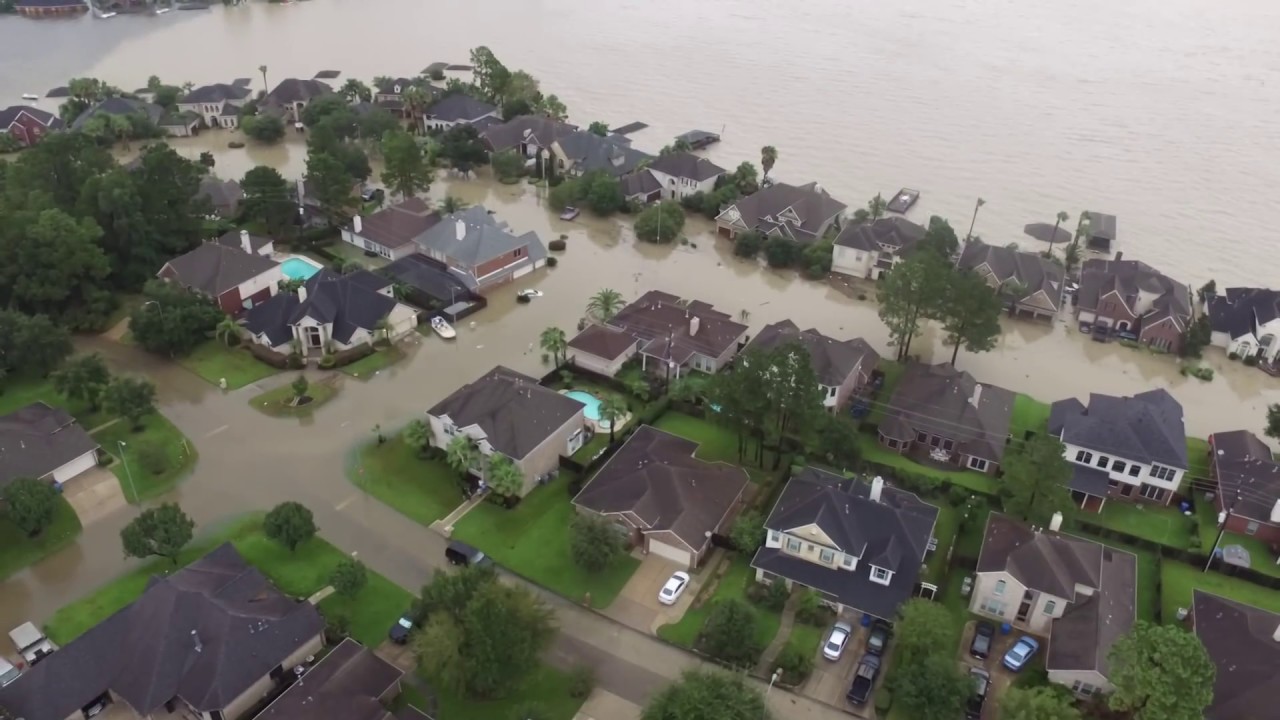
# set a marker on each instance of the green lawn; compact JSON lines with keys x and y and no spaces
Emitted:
{"x":1164,"y":525}
{"x":945,"y":529}
{"x":532,"y":540}
{"x":715,"y":443}
{"x":370,"y":613}
{"x":733,"y":584}
{"x":806,"y":639}
{"x":546,"y":686}
{"x":1177,"y":580}
{"x":591,"y":448}
{"x":16,"y":393}
{"x":1260,"y":555}
{"x":969,"y":542}
{"x":279,"y":402}
{"x":17,"y":551}
{"x":369,"y":365}
{"x":157,"y":456}
{"x":1028,"y":414}
{"x":892,"y":374}
{"x":422,"y":490}
{"x":214,"y":361}
{"x":296,"y":574}
{"x":870,"y":449}
{"x":1198,"y":459}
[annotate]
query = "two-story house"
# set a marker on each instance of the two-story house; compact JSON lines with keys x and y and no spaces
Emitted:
{"x":1029,"y":283}
{"x":859,"y":544}
{"x":529,"y":135}
{"x":842,"y":366}
{"x":1126,"y":447}
{"x":235,"y":270}
{"x":1248,"y":478}
{"x":1246,"y":322}
{"x":510,"y":413}
{"x":329,"y":313}
{"x":803,"y":213}
{"x":943,"y":415}
{"x":672,"y":335}
{"x":27,"y":125}
{"x":668,"y":501}
{"x":218,"y":105}
{"x":388,"y":93}
{"x":480,"y":249}
{"x":292,"y":95}
{"x":457,"y":109}
{"x":1131,"y":296}
{"x":1243,"y":642}
{"x":1079,"y":593}
{"x":391,"y":231}
{"x":869,"y":249}
{"x":211,"y":641}
{"x":578,"y":152}
{"x":681,"y":174}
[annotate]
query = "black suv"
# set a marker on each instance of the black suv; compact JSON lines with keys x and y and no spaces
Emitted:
{"x":981,"y":683}
{"x":460,"y":553}
{"x":878,"y":638}
{"x":983,"y":634}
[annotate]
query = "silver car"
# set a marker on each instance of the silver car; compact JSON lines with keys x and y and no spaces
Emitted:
{"x":837,"y":640}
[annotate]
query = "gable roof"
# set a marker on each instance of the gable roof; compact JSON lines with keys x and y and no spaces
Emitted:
{"x":1045,"y":561}
{"x":9,"y":116}
{"x":639,"y":184}
{"x":348,"y":302}
{"x":397,"y":225}
{"x":671,"y":328}
{"x":1241,"y":311}
{"x":37,"y":439}
{"x":941,"y":400}
{"x":537,"y":129}
{"x":655,"y":478}
{"x":1241,"y":642}
{"x":514,"y":411}
{"x":222,"y":194}
{"x":1247,"y":474}
{"x":794,"y":211}
{"x":589,"y":151}
{"x":215,"y":93}
{"x":603,"y":341}
{"x":1030,"y":270}
{"x":472,"y":236}
{"x":459,"y":107}
{"x":892,"y":533}
{"x":119,"y":106}
{"x":214,"y":268}
{"x":205,"y":634}
{"x":1147,"y":427}
{"x":1082,"y":638}
{"x":832,"y":360}
{"x":291,"y":90}
{"x":893,"y":233}
{"x":1130,"y":279}
{"x":686,"y":165}
{"x":235,"y":239}
{"x":346,"y":684}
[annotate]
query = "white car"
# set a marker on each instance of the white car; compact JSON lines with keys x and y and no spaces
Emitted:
{"x":836,"y":641}
{"x":674,"y":588}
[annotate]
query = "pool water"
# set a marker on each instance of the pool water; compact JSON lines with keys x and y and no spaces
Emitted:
{"x":593,"y":406}
{"x":298,"y":269}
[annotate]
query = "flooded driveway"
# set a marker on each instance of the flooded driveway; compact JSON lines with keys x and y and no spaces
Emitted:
{"x":94,"y":495}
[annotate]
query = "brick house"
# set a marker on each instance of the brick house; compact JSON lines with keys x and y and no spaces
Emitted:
{"x":481,"y":250}
{"x":842,"y":366}
{"x":28,"y":124}
{"x":1248,"y":478}
{"x":235,"y":270}
{"x":1131,"y":296}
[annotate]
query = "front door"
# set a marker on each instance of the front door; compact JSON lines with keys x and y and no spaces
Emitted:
{"x":1126,"y":489}
{"x":1024,"y":610}
{"x":313,"y":337}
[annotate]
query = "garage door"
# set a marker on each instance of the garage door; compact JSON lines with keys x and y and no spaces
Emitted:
{"x":670,"y":552}
{"x":74,"y":468}
{"x":404,"y":325}
{"x":524,"y":270}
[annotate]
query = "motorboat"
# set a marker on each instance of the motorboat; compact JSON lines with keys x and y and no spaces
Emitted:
{"x":570,"y":212}
{"x":443,"y":328}
{"x":525,"y":296}
{"x":30,"y":96}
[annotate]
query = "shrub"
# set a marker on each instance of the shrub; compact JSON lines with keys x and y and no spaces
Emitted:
{"x":884,"y":701}
{"x":151,"y":456}
{"x":729,"y":633}
{"x":780,"y":252}
{"x":1251,"y":360}
{"x":327,"y":362}
{"x":556,"y":246}
{"x":815,"y":272}
{"x":553,"y":261}
{"x":349,"y":577}
{"x":337,"y":625}
{"x":346,"y":357}
{"x":811,"y":611}
{"x":582,"y":680}
{"x":295,"y":361}
{"x":770,"y":596}
{"x":796,"y":665}
{"x":748,"y":244}
{"x":1233,"y":356}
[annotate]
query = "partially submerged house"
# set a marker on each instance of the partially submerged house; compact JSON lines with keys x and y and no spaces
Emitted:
{"x":1243,"y":642}
{"x":124,"y":107}
{"x":1131,"y":296}
{"x":681,"y":174}
{"x":670,"y":334}
{"x":529,"y":135}
{"x":292,"y":95}
{"x":859,"y":544}
{"x":943,"y":415}
{"x":1079,"y":593}
{"x":329,"y":313}
{"x":28,"y":125}
{"x":579,"y":152}
{"x":457,"y":109}
{"x":803,"y":213}
{"x":1122,"y":447}
{"x":1102,"y":232}
{"x":218,"y":105}
{"x":389,"y":94}
{"x":1248,"y":479}
{"x":1246,"y":322}
{"x":510,"y":413}
{"x":232,"y":271}
{"x":668,"y":501}
{"x":391,"y":231}
{"x":1029,"y":283}
{"x":870,"y":249}
{"x":842,"y":366}
{"x":481,"y":249}
{"x":45,"y":443}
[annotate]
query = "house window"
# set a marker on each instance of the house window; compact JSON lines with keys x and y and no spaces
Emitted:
{"x":848,"y":561}
{"x":880,"y":575}
{"x":1084,"y":457}
{"x":810,"y":547}
{"x":518,"y":252}
{"x":1151,"y":492}
{"x":793,"y":545}
{"x":775,"y":536}
{"x":449,"y":429}
{"x":891,"y":444}
{"x":1113,"y":483}
{"x":1162,"y":473}
{"x":976,"y":463}
{"x":992,"y":607}
{"x":1118,"y":466}
{"x":1134,"y":470}
{"x":1103,"y":461}
{"x":1083,"y":689}
{"x":826,"y":556}
{"x":921,"y":437}
{"x":947,"y":445}
{"x":1251,"y":528}
{"x":1049,"y":607}
{"x":999,"y":590}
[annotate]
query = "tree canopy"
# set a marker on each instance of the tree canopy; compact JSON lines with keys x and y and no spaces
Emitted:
{"x":173,"y":320}
{"x":29,"y":504}
{"x":910,"y":293}
{"x":594,"y":542}
{"x":1161,"y":672}
{"x":406,"y":172}
{"x":131,"y":398}
{"x":1036,"y":474}
{"x":161,"y":531}
{"x":1037,"y":703}
{"x":267,"y":199}
{"x":661,"y":222}
{"x":31,"y":344}
{"x":970,"y":314}
{"x":290,"y":524}
{"x":729,"y":634}
{"x":708,"y":695}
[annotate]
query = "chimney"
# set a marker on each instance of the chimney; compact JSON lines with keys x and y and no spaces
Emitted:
{"x":877,"y":487}
{"x":977,"y":394}
{"x":302,"y":190}
{"x":460,"y":230}
{"x":302,"y":293}
{"x":196,"y":639}
{"x":1055,"y":523}
{"x":693,"y":325}
{"x":245,"y":245}
{"x":1276,"y":635}
{"x":357,"y":224}
{"x":1119,"y":256}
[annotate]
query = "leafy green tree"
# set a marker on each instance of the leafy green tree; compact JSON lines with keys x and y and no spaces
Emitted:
{"x":332,"y":186}
{"x":970,"y":314}
{"x":1036,"y":474}
{"x":83,"y":378}
{"x":1161,"y":672}
{"x":612,"y":410}
{"x":508,"y":165}
{"x":417,"y":435}
{"x":781,"y":252}
{"x":924,"y":628}
{"x":747,"y":532}
{"x":265,"y":128}
{"x":267,"y":199}
{"x":876,"y":207}
{"x":161,"y":531}
{"x":603,"y":193}
{"x":1036,"y":703}
{"x":332,"y":109}
{"x":835,"y":440}
{"x":452,"y":204}
{"x":598,"y":128}
{"x":290,"y":524}
{"x":504,"y":476}
{"x":29,"y":504}
{"x":1206,"y":291}
{"x":742,"y":407}
{"x":173,"y":321}
{"x":331,"y":138}
{"x":554,"y":342}
{"x":729,"y":634}
{"x":552,"y":107}
{"x":1273,"y":421}
{"x":939,"y":238}
{"x":130,"y":398}
{"x":594,"y":542}
{"x":55,"y":169}
{"x":462,"y":455}
{"x":355,"y":91}
{"x":933,"y":687}
{"x":31,"y":344}
{"x":661,"y":222}
{"x":490,"y":76}
{"x":605,"y":304}
{"x":1196,"y":337}
{"x":708,"y":695}
{"x":748,"y":244}
{"x":791,"y":399}
{"x":567,"y":194}
{"x":376,"y":123}
{"x":521,"y":88}
{"x":768,"y":157}
{"x":49,"y":262}
{"x":299,"y":386}
{"x":910,"y":293}
{"x":463,"y":148}
{"x":349,"y":577}
{"x":406,"y":170}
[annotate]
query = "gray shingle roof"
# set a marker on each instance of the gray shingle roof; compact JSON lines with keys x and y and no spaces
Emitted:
{"x":213,"y":268}
{"x":1239,"y":639}
{"x":349,"y":302}
{"x":893,"y":234}
{"x":397,"y":225}
{"x":687,"y":165}
{"x":536,"y":129}
{"x":291,"y":90}
{"x":1128,"y":278}
{"x":119,"y":106}
{"x":603,"y":342}
{"x":472,"y":236}
{"x":589,"y":151}
{"x":345,"y":685}
{"x":37,"y":439}
{"x":1044,"y":561}
{"x":794,"y":211}
{"x":655,"y":478}
{"x":224,"y":195}
{"x":1147,"y":427}
{"x":1082,"y":638}
{"x":514,"y":411}
{"x":833,"y":360}
{"x":459,"y":107}
{"x":1244,"y":464}
{"x":663,"y":323}
{"x":1035,"y":273}
{"x":940,"y":400}
{"x":215,"y":93}
{"x":1240,"y":311}
{"x":639,"y":184}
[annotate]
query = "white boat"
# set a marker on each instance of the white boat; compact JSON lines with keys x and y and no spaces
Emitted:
{"x":442,"y":328}
{"x":30,"y":96}
{"x":161,"y":11}
{"x":528,"y":294}
{"x":106,"y":15}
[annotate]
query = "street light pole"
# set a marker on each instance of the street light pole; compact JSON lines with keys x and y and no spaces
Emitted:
{"x":976,"y":206}
{"x":1223,"y":518}
{"x":128,"y":473}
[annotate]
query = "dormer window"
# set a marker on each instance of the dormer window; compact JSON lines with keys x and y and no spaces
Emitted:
{"x":827,"y":557}
{"x":793,"y":545}
{"x":775,"y":536}
{"x":880,"y":575}
{"x":848,"y":561}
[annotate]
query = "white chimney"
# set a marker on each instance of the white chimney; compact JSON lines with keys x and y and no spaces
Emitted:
{"x":1055,"y":523}
{"x":460,"y":230}
{"x":1276,"y":635}
{"x":877,"y":487}
{"x":357,"y":224}
{"x":302,"y":190}
{"x":693,"y":325}
{"x":977,"y":395}
{"x":302,"y":293}
{"x":245,"y":245}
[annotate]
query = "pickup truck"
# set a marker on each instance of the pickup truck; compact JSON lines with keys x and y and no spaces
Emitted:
{"x":864,"y":679}
{"x":32,"y":645}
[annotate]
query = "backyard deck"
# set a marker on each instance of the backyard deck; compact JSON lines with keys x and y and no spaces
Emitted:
{"x":903,"y":200}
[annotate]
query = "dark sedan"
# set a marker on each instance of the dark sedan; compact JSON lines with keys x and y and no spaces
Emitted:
{"x":983,"y":634}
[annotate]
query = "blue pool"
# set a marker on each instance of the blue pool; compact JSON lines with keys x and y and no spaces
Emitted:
{"x":298,"y":269}
{"x":593,"y":406}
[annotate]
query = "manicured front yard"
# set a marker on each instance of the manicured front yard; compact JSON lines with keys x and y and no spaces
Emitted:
{"x":715,"y":443}
{"x":806,"y":638}
{"x":157,"y":456}
{"x":16,"y":393}
{"x":369,"y":365}
{"x":296,"y":574}
{"x":1028,"y":414}
{"x":1177,"y":580}
{"x":370,"y":613}
{"x":532,"y":540}
{"x":1164,"y":525}
{"x":733,"y":584}
{"x":280,"y":402}
{"x":422,"y":490}
{"x":870,"y":449}
{"x":547,"y":687}
{"x":17,"y":551}
{"x":214,"y":361}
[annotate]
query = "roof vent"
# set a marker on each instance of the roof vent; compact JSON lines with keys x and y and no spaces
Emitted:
{"x":460,"y":230}
{"x":877,"y":487}
{"x":977,"y":394}
{"x":195,"y":637}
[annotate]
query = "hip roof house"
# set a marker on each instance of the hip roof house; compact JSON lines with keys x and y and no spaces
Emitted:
{"x":42,"y":442}
{"x":232,"y":270}
{"x":803,"y":213}
{"x":481,"y":249}
{"x":842,"y":366}
{"x":1248,"y":478}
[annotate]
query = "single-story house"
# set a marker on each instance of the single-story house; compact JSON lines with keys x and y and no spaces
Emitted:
{"x":292,"y":95}
{"x":329,"y":313}
{"x":842,"y":366}
{"x":457,"y":109}
{"x":1246,"y":322}
{"x":1028,"y":282}
{"x":803,"y":213}
{"x":350,"y":683}
{"x":391,"y":231}
{"x":1243,"y":642}
{"x":603,"y":349}
{"x":119,"y":106}
{"x":870,"y":249}
{"x":668,"y":501}
{"x":1248,"y":478}
{"x":482,"y":249}
{"x":1102,"y":232}
{"x":27,"y":125}
{"x":236,"y":276}
{"x":1131,"y":296}
{"x":218,"y":104}
{"x":45,"y":443}
{"x":180,"y":124}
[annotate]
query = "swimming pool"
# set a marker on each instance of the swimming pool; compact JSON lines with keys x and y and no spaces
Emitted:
{"x":593,"y":407}
{"x":295,"y":268}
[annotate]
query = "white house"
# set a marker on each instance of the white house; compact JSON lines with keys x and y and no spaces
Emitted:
{"x":218,"y":105}
{"x":330,"y":313}
{"x":1246,"y":322}
{"x":867,"y":250}
{"x":681,"y":174}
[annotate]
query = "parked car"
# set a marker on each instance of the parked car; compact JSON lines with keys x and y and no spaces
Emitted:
{"x":864,"y":679}
{"x":674,"y":588}
{"x":837,"y":641}
{"x":983,"y":634}
{"x":31,"y":644}
{"x":1101,"y":333}
{"x":1021,"y":652}
{"x":399,"y":632}
{"x":878,"y":639}
{"x":460,"y":553}
{"x":8,"y":673}
{"x":981,"y":683}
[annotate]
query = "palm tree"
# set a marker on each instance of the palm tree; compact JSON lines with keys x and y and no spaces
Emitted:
{"x":461,"y":454}
{"x":876,"y":207}
{"x":400,"y":290}
{"x":1062,"y":217}
{"x":605,"y":304}
{"x":976,"y":207}
{"x":504,"y":476}
{"x":1071,"y":258}
{"x":417,"y":436}
{"x":227,"y":329}
{"x":415,"y":101}
{"x":553,"y":341}
{"x":451,"y":204}
{"x":383,"y":81}
{"x":768,"y":156}
{"x":612,"y":409}
{"x":354,"y":90}
{"x":265,"y":87}
{"x":121,"y":128}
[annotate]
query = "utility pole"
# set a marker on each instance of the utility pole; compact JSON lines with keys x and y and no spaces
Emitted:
{"x":1223,"y":518}
{"x":976,"y":206}
{"x":128,"y":473}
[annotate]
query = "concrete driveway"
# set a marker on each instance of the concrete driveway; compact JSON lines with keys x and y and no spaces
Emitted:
{"x":604,"y":705}
{"x":829,"y":681}
{"x":1001,"y":677}
{"x":94,"y":494}
{"x":637,"y":605}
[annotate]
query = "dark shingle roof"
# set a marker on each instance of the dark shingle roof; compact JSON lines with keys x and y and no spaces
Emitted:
{"x":1034,"y":272}
{"x":514,"y":411}
{"x":9,"y":116}
{"x":664,"y":323}
{"x":589,"y":151}
{"x":222,"y":194}
{"x":655,"y":478}
{"x":892,"y":534}
{"x":794,"y":211}
{"x":894,"y":234}
{"x":459,"y":107}
{"x":833,"y":360}
{"x":235,"y":239}
{"x":1243,"y":464}
{"x":1044,"y":561}
{"x":472,"y":236}
{"x":345,"y":685}
{"x":397,"y":225}
{"x":1130,"y":279}
{"x":1082,"y":638}
{"x":119,"y":106}
{"x":536,"y":129}
{"x":1147,"y":427}
{"x":687,"y":165}
{"x":292,"y":90}
{"x":1240,"y":311}
{"x":37,"y":439}
{"x":1240,"y":640}
{"x":943,"y":401}
{"x":420,"y":272}
{"x":204,"y":634}
{"x":603,"y":342}
{"x":215,"y":93}
{"x":639,"y":183}
{"x":213,"y":268}
{"x":348,"y":302}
